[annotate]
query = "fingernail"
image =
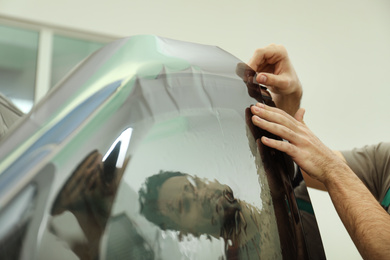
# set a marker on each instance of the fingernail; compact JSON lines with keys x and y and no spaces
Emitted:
{"x":256,"y":109}
{"x":256,"y":118}
{"x":262,"y":79}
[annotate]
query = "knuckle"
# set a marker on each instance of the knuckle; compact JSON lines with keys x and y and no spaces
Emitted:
{"x":286,"y":132}
{"x":259,"y":51}
{"x":279,"y":115}
{"x":285,"y":147}
{"x":272,"y":47}
{"x":282,"y":49}
{"x":289,"y":148}
{"x":305,"y":142}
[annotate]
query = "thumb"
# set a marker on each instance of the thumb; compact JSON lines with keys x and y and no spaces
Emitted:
{"x":272,"y":80}
{"x":299,"y":115}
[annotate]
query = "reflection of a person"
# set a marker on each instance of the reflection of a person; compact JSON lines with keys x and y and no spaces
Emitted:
{"x":88,"y":195}
{"x":177,"y":201}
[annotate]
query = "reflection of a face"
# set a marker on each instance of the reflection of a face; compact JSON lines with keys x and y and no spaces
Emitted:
{"x":197,"y":206}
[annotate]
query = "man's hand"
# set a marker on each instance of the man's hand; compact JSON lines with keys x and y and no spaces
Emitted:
{"x":276,"y":71}
{"x":317,"y":160}
{"x":84,"y":184}
{"x":366,"y":221}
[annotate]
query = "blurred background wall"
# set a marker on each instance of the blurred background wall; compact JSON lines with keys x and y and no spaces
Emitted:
{"x":340,"y":49}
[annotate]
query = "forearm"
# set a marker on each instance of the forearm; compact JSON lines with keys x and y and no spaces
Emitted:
{"x":366,"y":221}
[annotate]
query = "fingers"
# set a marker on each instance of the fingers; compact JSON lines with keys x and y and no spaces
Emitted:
{"x":303,"y":146}
{"x":276,"y":121}
{"x":276,"y":71}
{"x":276,"y":129}
{"x":279,"y":145}
{"x":268,"y":55}
{"x":274,"y":115}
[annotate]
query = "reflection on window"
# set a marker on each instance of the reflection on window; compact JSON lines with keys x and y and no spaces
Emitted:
{"x":18,"y":59}
{"x":14,"y":221}
{"x":67,"y":53}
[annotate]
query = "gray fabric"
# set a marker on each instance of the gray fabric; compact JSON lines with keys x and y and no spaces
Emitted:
{"x":371,"y":164}
{"x":9,"y":114}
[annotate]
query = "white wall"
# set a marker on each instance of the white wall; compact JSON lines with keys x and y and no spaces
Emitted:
{"x":341,"y":50}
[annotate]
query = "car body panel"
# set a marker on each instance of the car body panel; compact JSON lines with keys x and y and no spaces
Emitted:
{"x":137,"y":106}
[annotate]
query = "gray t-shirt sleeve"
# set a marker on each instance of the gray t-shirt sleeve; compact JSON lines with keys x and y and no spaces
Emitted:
{"x":371,"y":164}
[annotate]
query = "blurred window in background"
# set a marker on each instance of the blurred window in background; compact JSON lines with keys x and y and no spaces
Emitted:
{"x":67,"y":53}
{"x":18,"y":62}
{"x":35,"y":57}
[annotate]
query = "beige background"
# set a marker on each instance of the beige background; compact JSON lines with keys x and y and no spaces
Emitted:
{"x":340,"y":50}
